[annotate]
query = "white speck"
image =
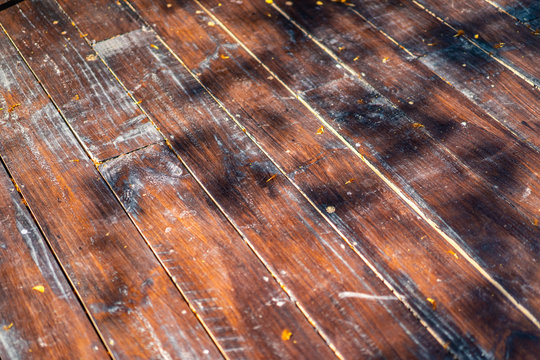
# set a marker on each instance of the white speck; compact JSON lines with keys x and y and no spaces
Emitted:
{"x":463,"y":123}
{"x":168,"y":230}
{"x":184,"y":312}
{"x":24,"y":231}
{"x":111,"y":342}
{"x":283,"y":272}
{"x":206,"y":352}
{"x":349,"y":193}
{"x":330,"y":209}
{"x":265,"y":278}
{"x":357,"y":145}
{"x":363,"y":74}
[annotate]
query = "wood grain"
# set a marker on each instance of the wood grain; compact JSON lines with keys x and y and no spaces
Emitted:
{"x":34,"y":323}
{"x":232,"y":292}
{"x":526,"y":11}
{"x":135,"y":305}
{"x":484,"y":81}
{"x":305,"y":255}
{"x":498,"y":34}
{"x":445,"y":189}
{"x":106,"y":120}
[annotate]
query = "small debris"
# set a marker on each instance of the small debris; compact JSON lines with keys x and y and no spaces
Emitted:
{"x":170,"y":5}
{"x":349,"y":181}
{"x":55,"y":22}
{"x":154,"y":46}
{"x":39,"y":288}
{"x":63,"y":33}
{"x":476,"y":36}
{"x":83,"y":35}
{"x":385,"y":60}
{"x":286,"y":333}
{"x":271,"y":178}
{"x":288,"y":3}
{"x":453,"y":254}
{"x":12,"y":107}
{"x":341,"y":48}
{"x":211,"y":23}
{"x":224,"y":57}
{"x":7,"y":327}
{"x":411,"y":102}
{"x":91,"y":57}
{"x":499,"y":45}
{"x":330,"y":209}
{"x":432,"y":302}
{"x":459,"y":33}
{"x":76,"y":97}
{"x":417,"y":125}
{"x":320,"y":130}
{"x":356,"y":58}
{"x":360,"y":101}
{"x":319,"y":3}
{"x":269,"y":1}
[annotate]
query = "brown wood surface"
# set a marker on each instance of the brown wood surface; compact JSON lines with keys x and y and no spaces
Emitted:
{"x":306,"y":256}
{"x":496,"y":234}
{"x":106,"y":120}
{"x":484,"y":81}
{"x":130,"y":297}
{"x":36,"y":322}
{"x":240,"y":302}
{"x":281,"y":142}
{"x":498,"y":34}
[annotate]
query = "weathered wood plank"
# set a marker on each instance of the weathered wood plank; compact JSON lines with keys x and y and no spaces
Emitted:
{"x":134,"y":303}
{"x":106,"y":120}
{"x":304,"y":253}
{"x":526,"y":11}
{"x":40,"y":315}
{"x":498,"y":34}
{"x":233,"y":293}
{"x":470,"y":206}
{"x":475,"y":74}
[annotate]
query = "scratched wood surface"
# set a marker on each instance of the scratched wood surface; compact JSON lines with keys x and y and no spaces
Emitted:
{"x":129,"y":296}
{"x":282,"y":140}
{"x":93,"y":102}
{"x":404,"y":149}
{"x":31,"y":282}
{"x":229,"y":287}
{"x":506,"y":97}
{"x":526,"y":11}
{"x":281,"y":209}
{"x":288,"y":235}
{"x":513,"y":43}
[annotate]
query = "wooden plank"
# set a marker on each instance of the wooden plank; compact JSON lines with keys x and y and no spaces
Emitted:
{"x":129,"y":296}
{"x":106,"y":120}
{"x":447,"y":190}
{"x":306,"y":256}
{"x":526,"y":11}
{"x":40,"y":315}
{"x":233,"y":293}
{"x":484,"y":81}
{"x":498,"y":34}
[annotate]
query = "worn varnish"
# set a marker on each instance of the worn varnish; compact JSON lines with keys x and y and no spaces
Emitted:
{"x":332,"y":179}
{"x":310,"y":169}
{"x":288,"y":235}
{"x":404,"y":152}
{"x":31,"y":282}
{"x":230,"y":289}
{"x":508,"y":98}
{"x":512,"y":43}
{"x":130,"y":297}
{"x":106,"y":120}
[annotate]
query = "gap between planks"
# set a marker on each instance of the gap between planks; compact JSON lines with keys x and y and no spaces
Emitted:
{"x":410,"y":202}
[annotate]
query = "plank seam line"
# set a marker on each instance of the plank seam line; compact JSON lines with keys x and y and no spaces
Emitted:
{"x":516,"y":135}
{"x":171,"y":277}
{"x":312,"y":322}
{"x":70,"y":281}
{"x":396,"y":189}
{"x":442,"y":146}
{"x":514,"y":69}
{"x":501,"y":9}
{"x":267,"y":266}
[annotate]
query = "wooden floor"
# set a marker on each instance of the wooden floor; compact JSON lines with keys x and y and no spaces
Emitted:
{"x":263,"y":179}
